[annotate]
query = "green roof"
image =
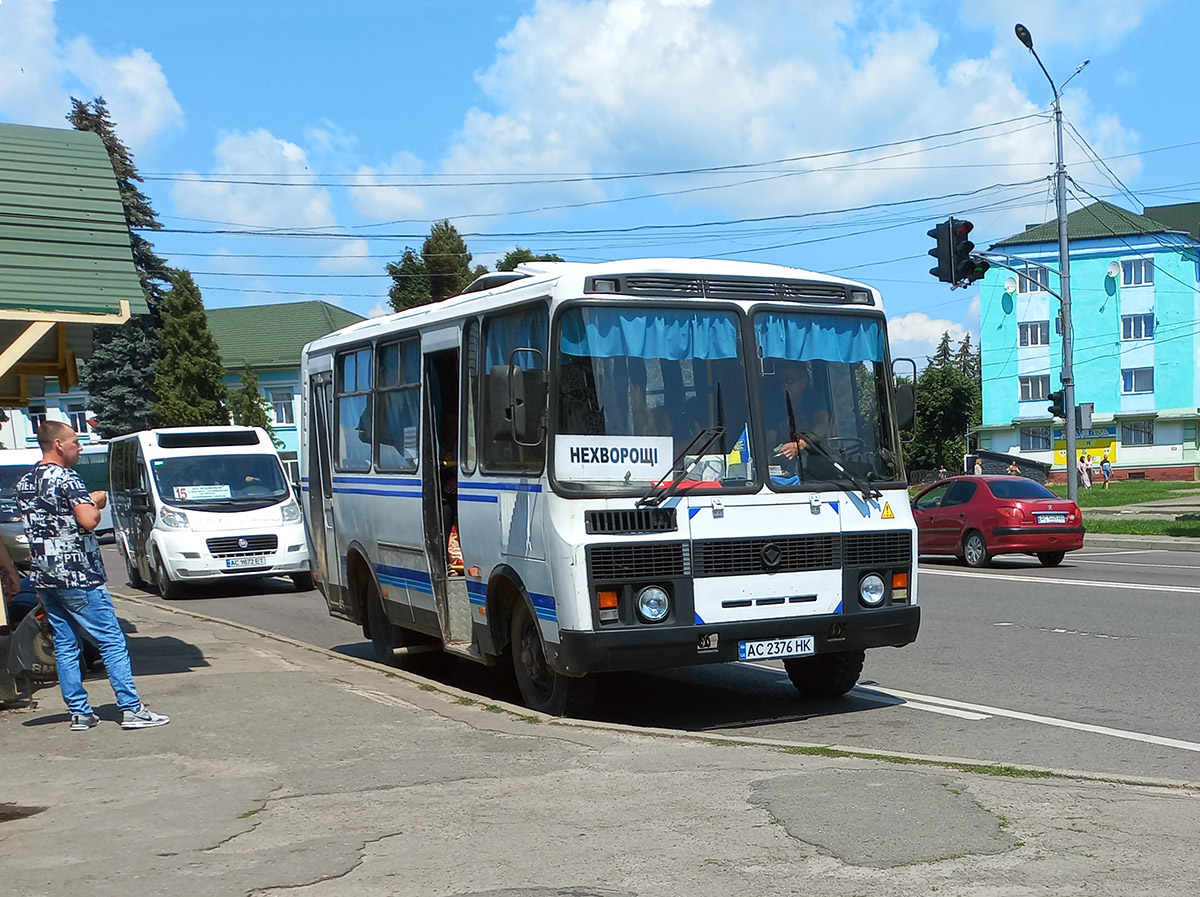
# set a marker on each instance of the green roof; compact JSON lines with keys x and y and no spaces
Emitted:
{"x":64,"y":243}
{"x":271,"y":336}
{"x":1099,"y":220}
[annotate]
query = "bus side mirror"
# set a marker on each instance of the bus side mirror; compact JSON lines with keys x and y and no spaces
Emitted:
{"x":906,"y":405}
{"x":517,"y":399}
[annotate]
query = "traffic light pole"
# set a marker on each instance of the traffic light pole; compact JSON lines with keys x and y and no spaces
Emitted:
{"x":1064,"y":268}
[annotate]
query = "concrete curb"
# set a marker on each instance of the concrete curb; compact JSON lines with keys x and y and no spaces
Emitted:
{"x":1140,"y":543}
{"x":980,"y":767}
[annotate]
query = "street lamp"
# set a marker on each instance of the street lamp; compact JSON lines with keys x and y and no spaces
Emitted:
{"x":1064,"y":268}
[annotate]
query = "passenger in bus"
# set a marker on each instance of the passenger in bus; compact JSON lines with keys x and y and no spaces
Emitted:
{"x":448,"y":474}
{"x":809,"y":417}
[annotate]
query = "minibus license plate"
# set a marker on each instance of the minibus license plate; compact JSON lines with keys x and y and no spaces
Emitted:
{"x":798,"y":646}
{"x":244,"y":562}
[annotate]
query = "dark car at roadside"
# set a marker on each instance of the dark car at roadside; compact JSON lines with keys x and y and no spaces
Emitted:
{"x":978,"y":517}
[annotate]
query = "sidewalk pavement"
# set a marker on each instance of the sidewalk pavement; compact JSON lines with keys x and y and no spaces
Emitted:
{"x":292,"y":769}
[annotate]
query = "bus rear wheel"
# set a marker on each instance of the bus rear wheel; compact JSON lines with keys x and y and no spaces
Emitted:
{"x":825,"y":676}
{"x":542,"y":687}
{"x":383,"y":633}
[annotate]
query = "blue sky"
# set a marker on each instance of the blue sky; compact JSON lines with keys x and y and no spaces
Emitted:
{"x":553,"y":125}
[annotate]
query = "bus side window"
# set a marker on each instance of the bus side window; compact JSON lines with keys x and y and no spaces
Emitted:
{"x":354,"y":410}
{"x":503,"y":334}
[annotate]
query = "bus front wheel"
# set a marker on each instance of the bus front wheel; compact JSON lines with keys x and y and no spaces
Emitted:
{"x":168,"y":589}
{"x":825,"y":676}
{"x":542,"y":687}
{"x":383,"y":633}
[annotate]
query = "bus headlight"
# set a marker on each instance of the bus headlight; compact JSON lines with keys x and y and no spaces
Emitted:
{"x":291,"y":511}
{"x":172,"y":518}
{"x":653,"y":604}
{"x":870,"y":590}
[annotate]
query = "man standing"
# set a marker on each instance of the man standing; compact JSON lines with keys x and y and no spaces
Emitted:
{"x":68,"y":575}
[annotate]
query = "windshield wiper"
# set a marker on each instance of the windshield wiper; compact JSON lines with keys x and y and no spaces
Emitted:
{"x":864,"y":486}
{"x":658,"y":493}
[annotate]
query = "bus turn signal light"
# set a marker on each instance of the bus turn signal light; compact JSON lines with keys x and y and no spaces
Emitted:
{"x":900,"y":586}
{"x":608,"y":606}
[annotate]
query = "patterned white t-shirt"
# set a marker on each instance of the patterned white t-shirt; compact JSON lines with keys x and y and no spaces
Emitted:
{"x":62,"y":554}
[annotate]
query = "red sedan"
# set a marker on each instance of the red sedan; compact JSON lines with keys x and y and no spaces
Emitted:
{"x":975,"y":518}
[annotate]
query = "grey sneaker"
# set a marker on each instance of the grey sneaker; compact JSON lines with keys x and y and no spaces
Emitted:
{"x":143,"y":718}
{"x":82,"y":721}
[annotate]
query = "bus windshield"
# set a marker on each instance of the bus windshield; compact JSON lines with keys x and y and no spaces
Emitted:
{"x":636,"y":387}
{"x":824,"y":387}
{"x":219,"y":482}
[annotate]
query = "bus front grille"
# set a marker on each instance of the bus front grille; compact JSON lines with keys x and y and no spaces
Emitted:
{"x":632,"y":520}
{"x":885,"y":549}
{"x":231,"y":546}
{"x":765,"y":554}
{"x":611,"y":563}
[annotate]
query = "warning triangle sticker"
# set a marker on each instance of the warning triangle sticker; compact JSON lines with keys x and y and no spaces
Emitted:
{"x":887,"y":512}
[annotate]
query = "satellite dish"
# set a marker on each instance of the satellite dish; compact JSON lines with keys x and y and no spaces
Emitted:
{"x":1114,"y":269}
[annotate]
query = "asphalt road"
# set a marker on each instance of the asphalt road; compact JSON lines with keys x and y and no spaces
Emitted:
{"x":1088,"y":666}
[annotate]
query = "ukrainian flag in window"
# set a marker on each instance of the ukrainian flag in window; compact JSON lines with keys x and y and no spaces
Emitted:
{"x":741,"y":449}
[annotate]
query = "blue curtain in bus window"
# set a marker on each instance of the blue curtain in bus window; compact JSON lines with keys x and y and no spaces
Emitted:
{"x":838,"y":338}
{"x":399,"y":417}
{"x":354,"y":433}
{"x":528,"y":328}
{"x":668,"y":334}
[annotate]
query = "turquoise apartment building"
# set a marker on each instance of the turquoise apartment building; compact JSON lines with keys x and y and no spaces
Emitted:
{"x":1135,"y":308}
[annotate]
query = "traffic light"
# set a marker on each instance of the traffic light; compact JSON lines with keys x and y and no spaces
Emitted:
{"x":943,"y":253}
{"x":967,"y":269}
{"x":1056,"y":405}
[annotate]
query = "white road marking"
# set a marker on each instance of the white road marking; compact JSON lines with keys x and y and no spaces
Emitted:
{"x":945,"y":711}
{"x":1041,"y":720}
{"x":1193,"y":567}
{"x":1092,"y":583}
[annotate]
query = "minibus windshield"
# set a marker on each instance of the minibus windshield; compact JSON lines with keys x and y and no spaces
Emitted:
{"x":215,"y":482}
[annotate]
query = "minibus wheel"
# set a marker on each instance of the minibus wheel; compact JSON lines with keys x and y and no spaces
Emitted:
{"x":825,"y":676}
{"x":132,"y":571}
{"x":302,"y":581}
{"x":542,"y":687}
{"x":168,"y":589}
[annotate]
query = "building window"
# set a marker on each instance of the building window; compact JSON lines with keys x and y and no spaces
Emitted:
{"x":77,"y":417}
{"x":1135,"y":380}
{"x":37,"y":417}
{"x":1137,"y":432}
{"x":1138,"y":272}
{"x":1035,"y":439}
{"x":281,"y":406}
{"x":1034,"y":333}
{"x":1034,"y":389}
{"x":1033,"y":280}
{"x":1137,"y":326}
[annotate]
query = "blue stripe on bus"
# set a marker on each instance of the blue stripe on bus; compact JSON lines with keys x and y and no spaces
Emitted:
{"x":490,"y":499}
{"x":379,"y":481}
{"x":376,"y":492}
{"x":501,"y":487}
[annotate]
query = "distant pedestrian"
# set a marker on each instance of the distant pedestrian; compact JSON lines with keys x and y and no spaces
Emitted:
{"x":942,"y":472}
{"x":1088,"y":469}
{"x":1012,"y":470}
{"x":1082,"y":471}
{"x":1106,"y":470}
{"x":68,"y":575}
{"x":978,"y":467}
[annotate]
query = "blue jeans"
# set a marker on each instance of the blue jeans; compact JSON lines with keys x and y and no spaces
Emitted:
{"x":91,"y":610}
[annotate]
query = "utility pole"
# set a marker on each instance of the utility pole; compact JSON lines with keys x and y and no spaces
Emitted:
{"x":1064,"y":266}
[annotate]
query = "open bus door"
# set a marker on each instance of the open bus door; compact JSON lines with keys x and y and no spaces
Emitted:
{"x":318,"y":512}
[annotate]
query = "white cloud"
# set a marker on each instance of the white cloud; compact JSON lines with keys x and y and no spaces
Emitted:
{"x":351,"y":257}
{"x":251,"y":205}
{"x":379,"y":309}
{"x":677,"y":85}
{"x":916,"y":335}
{"x":373,"y":197}
{"x":1070,"y":22}
{"x":39,"y":73}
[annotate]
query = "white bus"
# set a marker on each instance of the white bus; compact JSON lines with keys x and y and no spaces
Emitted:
{"x":635,"y":470}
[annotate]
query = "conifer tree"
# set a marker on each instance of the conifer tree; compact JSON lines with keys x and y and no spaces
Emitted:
{"x":188,"y":376}
{"x":446,"y":260}
{"x":514,"y":257}
{"x":410,"y":282}
{"x":249,"y":407}
{"x":119,"y":376}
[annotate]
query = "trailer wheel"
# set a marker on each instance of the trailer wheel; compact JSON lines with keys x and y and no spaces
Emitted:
{"x":542,"y":687}
{"x":825,"y":676}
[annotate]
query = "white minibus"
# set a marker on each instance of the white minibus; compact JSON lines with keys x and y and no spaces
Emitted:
{"x":195,"y":504}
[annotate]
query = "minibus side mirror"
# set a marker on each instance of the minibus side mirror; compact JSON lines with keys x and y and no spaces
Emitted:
{"x":139,"y":501}
{"x":517,"y":400}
